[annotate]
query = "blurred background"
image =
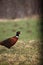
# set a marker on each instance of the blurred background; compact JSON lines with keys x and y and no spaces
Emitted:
{"x":24,"y":16}
{"x":12,"y":9}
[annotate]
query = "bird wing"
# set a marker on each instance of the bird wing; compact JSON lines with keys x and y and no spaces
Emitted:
{"x":9,"y":42}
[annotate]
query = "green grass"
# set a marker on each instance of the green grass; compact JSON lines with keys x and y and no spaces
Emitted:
{"x":23,"y":52}
{"x":29,"y":29}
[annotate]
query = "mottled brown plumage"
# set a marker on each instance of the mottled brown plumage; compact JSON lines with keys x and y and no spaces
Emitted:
{"x":10,"y":41}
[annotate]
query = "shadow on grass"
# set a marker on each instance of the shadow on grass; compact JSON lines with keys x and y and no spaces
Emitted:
{"x":41,"y":32}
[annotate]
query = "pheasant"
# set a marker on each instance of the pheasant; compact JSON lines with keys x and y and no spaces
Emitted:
{"x":10,"y":41}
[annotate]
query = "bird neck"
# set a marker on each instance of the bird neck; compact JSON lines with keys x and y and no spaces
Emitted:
{"x":17,"y":35}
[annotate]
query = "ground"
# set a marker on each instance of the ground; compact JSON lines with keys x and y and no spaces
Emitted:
{"x":27,"y":49}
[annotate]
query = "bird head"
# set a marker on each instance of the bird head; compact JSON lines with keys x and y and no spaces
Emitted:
{"x":17,"y":33}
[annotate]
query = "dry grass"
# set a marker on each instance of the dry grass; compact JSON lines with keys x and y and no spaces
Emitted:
{"x":23,"y":53}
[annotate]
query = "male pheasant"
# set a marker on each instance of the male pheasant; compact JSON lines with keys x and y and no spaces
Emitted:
{"x":10,"y":41}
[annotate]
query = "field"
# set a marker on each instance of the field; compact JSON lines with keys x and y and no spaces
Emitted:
{"x":27,"y":50}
